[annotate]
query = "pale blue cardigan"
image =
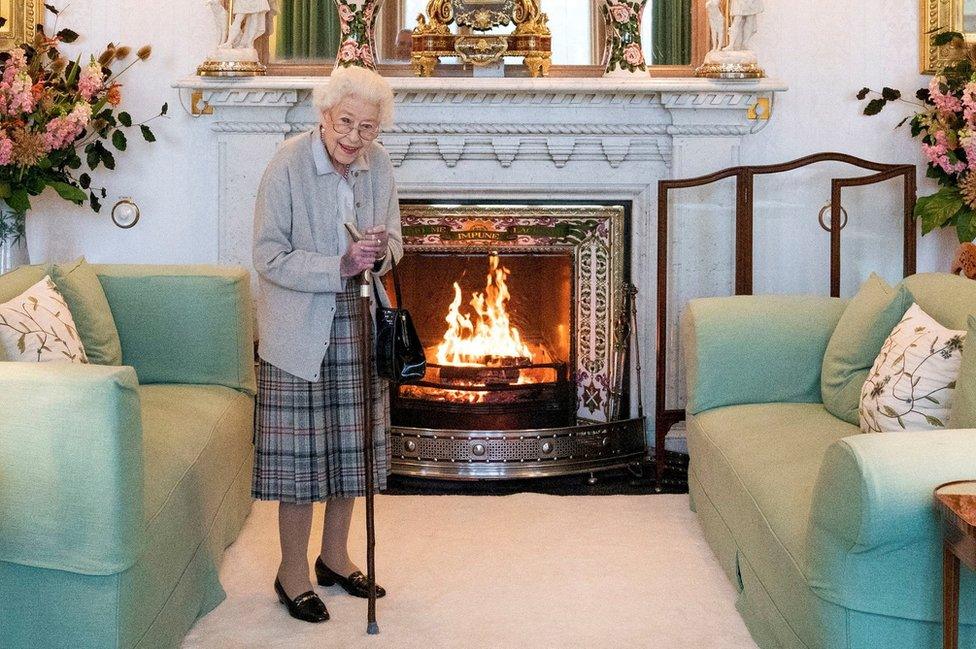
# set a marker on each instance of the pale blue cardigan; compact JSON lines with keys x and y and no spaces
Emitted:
{"x":297,"y":245}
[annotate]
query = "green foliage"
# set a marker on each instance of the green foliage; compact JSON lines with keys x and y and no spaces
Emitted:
{"x":118,"y":140}
{"x":874,"y":106}
{"x":944,"y":38}
{"x":890,"y":94}
{"x":965,"y":225}
{"x":937,"y":210}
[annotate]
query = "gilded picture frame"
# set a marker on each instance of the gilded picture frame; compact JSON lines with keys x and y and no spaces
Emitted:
{"x":938,"y":16}
{"x":22,"y":19}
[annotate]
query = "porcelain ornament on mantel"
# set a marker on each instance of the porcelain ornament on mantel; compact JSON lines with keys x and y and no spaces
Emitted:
{"x":732,"y":58}
{"x":237,"y":29}
{"x":624,"y":57}
{"x":357,"y":22}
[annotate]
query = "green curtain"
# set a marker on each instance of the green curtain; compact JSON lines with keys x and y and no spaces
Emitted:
{"x":306,"y":29}
{"x":671,"y":32}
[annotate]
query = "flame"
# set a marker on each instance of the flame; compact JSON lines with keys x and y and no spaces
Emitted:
{"x":487,"y":335}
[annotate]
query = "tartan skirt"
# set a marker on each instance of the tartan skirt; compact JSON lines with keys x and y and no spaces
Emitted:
{"x":309,"y":435}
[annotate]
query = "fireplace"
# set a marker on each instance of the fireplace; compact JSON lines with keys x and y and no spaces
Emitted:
{"x":519,"y":309}
{"x":599,"y":140}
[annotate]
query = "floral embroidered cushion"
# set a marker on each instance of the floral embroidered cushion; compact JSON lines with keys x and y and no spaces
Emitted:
{"x":911,"y":384}
{"x":868,"y":319}
{"x":37,"y":326}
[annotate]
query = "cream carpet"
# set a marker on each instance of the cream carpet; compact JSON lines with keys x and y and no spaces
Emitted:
{"x":512,"y":572}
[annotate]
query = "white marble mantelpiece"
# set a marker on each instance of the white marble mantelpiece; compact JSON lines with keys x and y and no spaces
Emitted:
{"x":585,"y":139}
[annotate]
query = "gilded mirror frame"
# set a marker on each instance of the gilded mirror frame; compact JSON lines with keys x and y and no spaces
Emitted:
{"x":22,"y":19}
{"x":936,"y":16}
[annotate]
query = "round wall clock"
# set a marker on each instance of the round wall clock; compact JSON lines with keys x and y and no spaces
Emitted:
{"x":125,"y":213}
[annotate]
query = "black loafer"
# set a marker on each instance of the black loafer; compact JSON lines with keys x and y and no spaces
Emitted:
{"x":306,"y":607}
{"x":355,"y":584}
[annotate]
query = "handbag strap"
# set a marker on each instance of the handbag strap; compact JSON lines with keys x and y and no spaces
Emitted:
{"x":396,"y":284}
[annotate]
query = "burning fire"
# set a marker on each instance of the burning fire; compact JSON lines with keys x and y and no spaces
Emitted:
{"x":487,"y":337}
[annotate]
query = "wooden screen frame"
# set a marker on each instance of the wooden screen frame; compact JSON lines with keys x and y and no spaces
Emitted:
{"x":744,"y":176}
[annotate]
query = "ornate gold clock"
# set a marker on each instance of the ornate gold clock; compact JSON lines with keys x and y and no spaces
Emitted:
{"x":531,"y":40}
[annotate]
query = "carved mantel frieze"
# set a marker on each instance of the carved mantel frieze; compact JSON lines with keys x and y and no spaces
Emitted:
{"x":506,"y":119}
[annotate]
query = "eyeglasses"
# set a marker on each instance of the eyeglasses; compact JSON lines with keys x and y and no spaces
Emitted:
{"x":344,"y":126}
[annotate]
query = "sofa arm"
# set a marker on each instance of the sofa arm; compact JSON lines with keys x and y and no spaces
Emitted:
{"x":874,"y":540}
{"x":183,"y":324}
{"x":71,"y":473}
{"x":756,"y":349}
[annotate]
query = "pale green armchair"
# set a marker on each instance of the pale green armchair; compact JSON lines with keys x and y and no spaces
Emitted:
{"x":120,"y":486}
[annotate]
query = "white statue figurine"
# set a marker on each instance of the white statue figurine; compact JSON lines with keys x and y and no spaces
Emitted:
{"x":248,"y":22}
{"x":734,"y":60}
{"x":716,"y":23}
{"x":743,"y":27}
{"x":220,"y":18}
{"x":236,"y":32}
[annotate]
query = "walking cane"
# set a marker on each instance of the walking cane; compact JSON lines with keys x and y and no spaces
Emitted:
{"x":366,"y":353}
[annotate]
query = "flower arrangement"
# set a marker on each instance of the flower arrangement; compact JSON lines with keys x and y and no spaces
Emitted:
{"x":53,"y":110}
{"x":945,"y":122}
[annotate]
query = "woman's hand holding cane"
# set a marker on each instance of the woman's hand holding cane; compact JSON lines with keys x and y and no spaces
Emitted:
{"x":360,"y":256}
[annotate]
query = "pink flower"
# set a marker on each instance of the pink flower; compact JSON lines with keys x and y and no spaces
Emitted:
{"x":633,"y":55}
{"x":368,"y":14}
{"x":944,"y":103}
{"x":348,"y":51}
{"x":21,"y":98}
{"x":6,"y":149}
{"x":62,"y":131}
{"x":345,"y":13}
{"x":969,"y":102}
{"x":16,"y":63}
{"x":366,"y":55}
{"x":620,"y":13}
{"x":938,"y":154}
{"x":90,"y":82}
{"x":967,"y":140}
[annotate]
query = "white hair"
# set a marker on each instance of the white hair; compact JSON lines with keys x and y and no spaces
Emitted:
{"x":360,"y":82}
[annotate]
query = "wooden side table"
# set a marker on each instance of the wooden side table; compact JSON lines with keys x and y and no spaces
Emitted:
{"x":956,"y":501}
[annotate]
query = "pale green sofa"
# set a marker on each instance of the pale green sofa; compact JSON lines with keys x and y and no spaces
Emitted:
{"x":829,"y":535}
{"x":120,"y":487}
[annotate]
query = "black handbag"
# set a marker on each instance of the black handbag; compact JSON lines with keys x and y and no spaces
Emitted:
{"x":399,"y":354}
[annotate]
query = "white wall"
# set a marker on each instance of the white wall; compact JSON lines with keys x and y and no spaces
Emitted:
{"x":825,"y":51}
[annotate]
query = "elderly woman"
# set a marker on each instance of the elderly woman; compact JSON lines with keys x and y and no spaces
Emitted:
{"x":309,"y":427}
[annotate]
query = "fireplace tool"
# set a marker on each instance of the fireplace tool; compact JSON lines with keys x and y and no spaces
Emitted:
{"x":627,"y":332}
{"x":366,"y":358}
